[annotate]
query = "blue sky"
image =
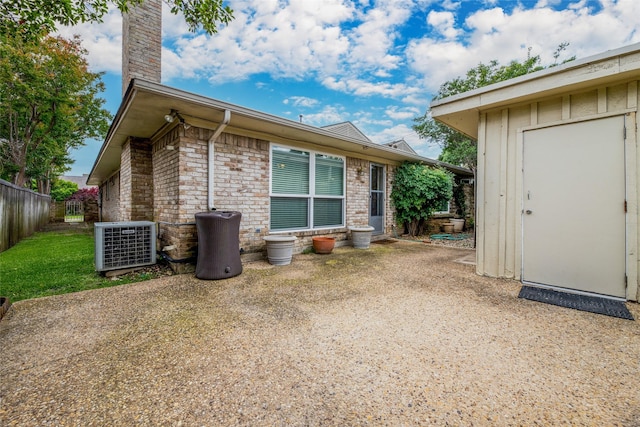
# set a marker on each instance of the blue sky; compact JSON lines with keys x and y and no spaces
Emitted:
{"x":374,"y":63}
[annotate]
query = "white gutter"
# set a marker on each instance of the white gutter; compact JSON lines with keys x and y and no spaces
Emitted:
{"x":211,"y":156}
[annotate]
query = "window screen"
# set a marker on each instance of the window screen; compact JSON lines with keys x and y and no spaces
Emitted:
{"x":307,"y":189}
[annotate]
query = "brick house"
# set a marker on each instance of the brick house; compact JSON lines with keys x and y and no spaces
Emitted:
{"x":170,"y":154}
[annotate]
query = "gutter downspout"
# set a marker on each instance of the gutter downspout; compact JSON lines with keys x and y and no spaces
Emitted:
{"x":211,"y":156}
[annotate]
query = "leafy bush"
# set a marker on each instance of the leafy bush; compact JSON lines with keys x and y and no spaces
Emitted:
{"x":460,"y":198}
{"x":85,"y":194}
{"x":61,"y":189}
{"x":417,"y":191}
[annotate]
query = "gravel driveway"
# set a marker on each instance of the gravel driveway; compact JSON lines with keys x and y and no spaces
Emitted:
{"x":396,"y":335}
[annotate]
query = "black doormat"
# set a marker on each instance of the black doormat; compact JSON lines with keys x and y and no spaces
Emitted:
{"x":592,"y":304}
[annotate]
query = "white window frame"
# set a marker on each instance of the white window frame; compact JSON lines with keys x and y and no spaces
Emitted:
{"x":444,"y":212}
{"x":312,"y":188}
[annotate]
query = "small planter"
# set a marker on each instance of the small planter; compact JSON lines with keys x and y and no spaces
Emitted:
{"x":361,"y":236}
{"x":447,"y":227}
{"x":323,"y":245}
{"x":280,"y":249}
{"x":458,"y":225}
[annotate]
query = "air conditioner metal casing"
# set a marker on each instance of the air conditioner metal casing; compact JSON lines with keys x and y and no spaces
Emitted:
{"x":121,"y":245}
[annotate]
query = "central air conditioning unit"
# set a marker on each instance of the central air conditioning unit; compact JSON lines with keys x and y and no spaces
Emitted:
{"x":124,"y":244}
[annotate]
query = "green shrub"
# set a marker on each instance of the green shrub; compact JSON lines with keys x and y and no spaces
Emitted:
{"x":417,"y":191}
{"x":61,"y":189}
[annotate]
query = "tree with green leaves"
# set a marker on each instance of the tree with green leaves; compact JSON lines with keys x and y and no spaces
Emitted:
{"x":417,"y":191}
{"x":62,"y":189}
{"x":34,"y":18}
{"x":49,"y":105}
{"x":459,"y":149}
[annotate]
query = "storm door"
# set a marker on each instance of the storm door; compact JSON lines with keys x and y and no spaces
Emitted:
{"x":376,"y":205}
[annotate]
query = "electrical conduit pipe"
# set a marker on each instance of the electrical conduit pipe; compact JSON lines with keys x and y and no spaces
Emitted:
{"x":211,"y":156}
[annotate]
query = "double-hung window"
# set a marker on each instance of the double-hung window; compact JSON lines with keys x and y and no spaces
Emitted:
{"x":307,"y":189}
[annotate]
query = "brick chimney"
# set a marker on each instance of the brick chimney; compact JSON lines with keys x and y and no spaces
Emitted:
{"x":142,"y":42}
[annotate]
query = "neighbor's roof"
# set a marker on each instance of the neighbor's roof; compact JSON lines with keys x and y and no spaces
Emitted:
{"x":141,"y":114}
{"x":80,"y":180}
{"x":461,"y":111}
{"x":347,"y":129}
{"x":401,"y":144}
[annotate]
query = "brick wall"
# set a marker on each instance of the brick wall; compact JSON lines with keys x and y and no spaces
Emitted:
{"x":358,"y":186}
{"x":193,"y":174}
{"x":389,"y":208}
{"x":241,"y":164}
{"x":110,"y":198}
{"x":136,"y":181}
{"x":56,"y":211}
{"x":181,"y":181}
{"x":124,"y":213}
{"x":142,"y":177}
{"x":142,"y":42}
{"x":166,"y":171}
{"x":242,"y":184}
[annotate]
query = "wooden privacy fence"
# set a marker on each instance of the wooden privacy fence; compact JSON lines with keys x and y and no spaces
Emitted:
{"x":22,"y":213}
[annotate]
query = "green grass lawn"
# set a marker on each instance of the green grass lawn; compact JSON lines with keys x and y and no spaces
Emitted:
{"x":56,"y":262}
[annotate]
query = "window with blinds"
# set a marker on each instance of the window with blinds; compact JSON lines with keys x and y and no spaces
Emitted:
{"x":307,"y":189}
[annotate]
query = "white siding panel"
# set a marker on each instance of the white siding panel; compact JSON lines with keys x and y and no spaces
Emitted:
{"x":491,"y":190}
{"x":480,"y":196}
{"x":518,"y":119}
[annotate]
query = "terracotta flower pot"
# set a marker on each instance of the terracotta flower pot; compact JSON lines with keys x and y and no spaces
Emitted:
{"x":323,"y":245}
{"x":447,"y":227}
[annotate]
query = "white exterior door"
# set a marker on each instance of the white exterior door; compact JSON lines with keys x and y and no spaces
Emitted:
{"x":573,"y":217}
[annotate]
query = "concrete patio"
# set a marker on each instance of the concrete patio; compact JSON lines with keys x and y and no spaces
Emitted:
{"x":400,"y":334}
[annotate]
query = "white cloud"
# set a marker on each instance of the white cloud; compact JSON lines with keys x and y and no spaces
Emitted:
{"x":103,"y":41}
{"x":372,"y":41}
{"x":366,"y":88}
{"x":363,"y":48}
{"x":493,"y":34}
{"x":444,"y":23}
{"x":291,"y":40}
{"x":330,"y":114}
{"x":334,"y":84}
{"x":399,"y":113}
{"x":301,"y":101}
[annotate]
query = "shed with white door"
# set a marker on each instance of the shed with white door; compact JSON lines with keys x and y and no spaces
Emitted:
{"x":558,"y":176}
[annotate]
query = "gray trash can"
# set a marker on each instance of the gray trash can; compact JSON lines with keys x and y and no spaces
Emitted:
{"x":218,"y":245}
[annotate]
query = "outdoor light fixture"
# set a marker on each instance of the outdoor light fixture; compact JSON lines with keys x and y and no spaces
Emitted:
{"x":173,"y":115}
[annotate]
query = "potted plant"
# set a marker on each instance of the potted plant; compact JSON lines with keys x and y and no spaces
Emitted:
{"x":361,"y":236}
{"x":280,"y":249}
{"x":458,"y":224}
{"x":323,"y":244}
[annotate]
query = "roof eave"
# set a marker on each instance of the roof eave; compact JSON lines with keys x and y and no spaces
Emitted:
{"x":462,"y":111}
{"x":141,"y":114}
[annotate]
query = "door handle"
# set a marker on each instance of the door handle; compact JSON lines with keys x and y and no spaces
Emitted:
{"x":528,"y":212}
